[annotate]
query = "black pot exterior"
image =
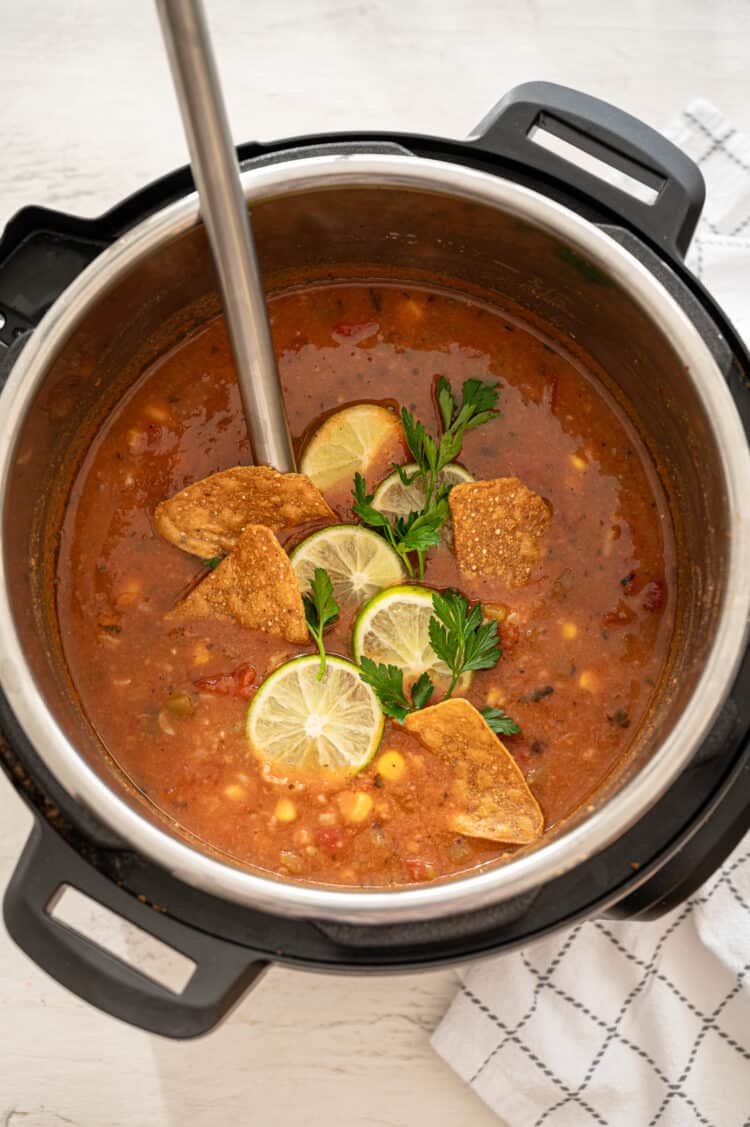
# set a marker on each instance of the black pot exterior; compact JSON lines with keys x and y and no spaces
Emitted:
{"x":650,"y":869}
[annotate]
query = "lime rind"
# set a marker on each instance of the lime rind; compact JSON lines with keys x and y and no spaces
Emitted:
{"x":394,"y":499}
{"x":359,"y":562}
{"x":393,"y":629}
{"x":297,"y":722}
{"x":347,"y":443}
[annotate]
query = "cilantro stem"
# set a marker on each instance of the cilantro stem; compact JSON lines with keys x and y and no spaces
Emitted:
{"x":457,"y":668}
{"x":408,"y":564}
{"x":318,"y":639}
{"x":321,"y":610}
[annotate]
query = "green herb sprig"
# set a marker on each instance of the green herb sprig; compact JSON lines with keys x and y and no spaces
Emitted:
{"x":460,"y":637}
{"x":499,"y":721}
{"x":321,"y":610}
{"x":388,"y":683}
{"x":420,"y":531}
{"x":464,"y":641}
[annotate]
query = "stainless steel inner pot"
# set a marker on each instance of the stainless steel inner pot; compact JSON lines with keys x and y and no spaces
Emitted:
{"x":325,"y":216}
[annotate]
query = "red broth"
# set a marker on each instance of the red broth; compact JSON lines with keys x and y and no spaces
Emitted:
{"x":585,"y":641}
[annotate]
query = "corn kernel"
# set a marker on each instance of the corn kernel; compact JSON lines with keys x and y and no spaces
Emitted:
{"x":285,"y":810}
{"x":234,"y":791}
{"x":391,"y":766}
{"x":157,"y":413}
{"x":128,"y":592}
{"x":569,"y":630}
{"x":411,"y":310}
{"x":355,"y":807}
{"x":201,"y":653}
{"x":610,"y":536}
{"x":136,"y":440}
{"x":578,"y":462}
{"x":496,"y":611}
{"x":589,"y":681}
{"x":495,"y":698}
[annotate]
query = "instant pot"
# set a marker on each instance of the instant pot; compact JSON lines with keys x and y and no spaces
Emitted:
{"x":85,"y":304}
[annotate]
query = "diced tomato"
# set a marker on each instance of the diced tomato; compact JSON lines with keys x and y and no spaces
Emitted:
{"x":654,"y":596}
{"x":239,"y":683}
{"x":330,"y":837}
{"x":509,"y":635}
{"x":623,"y":616}
{"x":420,"y":869}
{"x":355,"y":330}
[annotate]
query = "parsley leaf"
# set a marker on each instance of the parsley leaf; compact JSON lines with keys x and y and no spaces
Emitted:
{"x":420,"y":531}
{"x":415,"y":533}
{"x":499,"y":721}
{"x":446,"y":401}
{"x":321,"y":610}
{"x":422,"y":690}
{"x":460,"y":638}
{"x":364,"y":509}
{"x":478,"y":401}
{"x":477,"y":406}
{"x":423,"y":448}
{"x":213,"y":562}
{"x":388,"y":683}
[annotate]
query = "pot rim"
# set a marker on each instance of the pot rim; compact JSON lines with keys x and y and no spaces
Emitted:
{"x":463,"y":893}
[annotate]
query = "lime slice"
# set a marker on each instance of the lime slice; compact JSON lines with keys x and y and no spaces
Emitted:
{"x":394,"y":499}
{"x":349,"y":442}
{"x":359,"y":562}
{"x":393,"y":629}
{"x":333,"y":725}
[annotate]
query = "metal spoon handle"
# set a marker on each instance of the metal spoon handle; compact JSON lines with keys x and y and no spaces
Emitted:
{"x":224,"y":212}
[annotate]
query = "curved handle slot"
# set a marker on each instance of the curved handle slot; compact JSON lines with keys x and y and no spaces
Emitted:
{"x":122,"y":939}
{"x":639,"y":182}
{"x":612,"y":137}
{"x":223,"y":971}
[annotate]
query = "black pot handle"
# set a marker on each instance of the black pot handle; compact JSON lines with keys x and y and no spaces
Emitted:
{"x":223,"y":971}
{"x":614,"y":137}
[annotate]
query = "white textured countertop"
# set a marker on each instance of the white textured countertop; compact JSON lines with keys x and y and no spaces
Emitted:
{"x":87,"y":116}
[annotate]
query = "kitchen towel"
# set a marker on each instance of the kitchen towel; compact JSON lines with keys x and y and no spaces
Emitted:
{"x":633,"y":1024}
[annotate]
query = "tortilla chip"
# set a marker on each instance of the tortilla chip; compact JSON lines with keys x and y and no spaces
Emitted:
{"x":206,"y":518}
{"x":497,"y":526}
{"x":255,"y":585}
{"x":495,"y":799}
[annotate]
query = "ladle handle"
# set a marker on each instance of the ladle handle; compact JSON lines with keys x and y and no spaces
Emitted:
{"x":612,"y":137}
{"x":224,"y":212}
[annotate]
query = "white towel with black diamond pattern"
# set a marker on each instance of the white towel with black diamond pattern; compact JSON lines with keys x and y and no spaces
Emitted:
{"x":633,"y":1024}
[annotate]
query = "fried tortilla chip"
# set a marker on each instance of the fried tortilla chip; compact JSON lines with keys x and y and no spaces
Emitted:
{"x":206,"y":518}
{"x":494,"y":799}
{"x":255,"y":585}
{"x":497,"y":526}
